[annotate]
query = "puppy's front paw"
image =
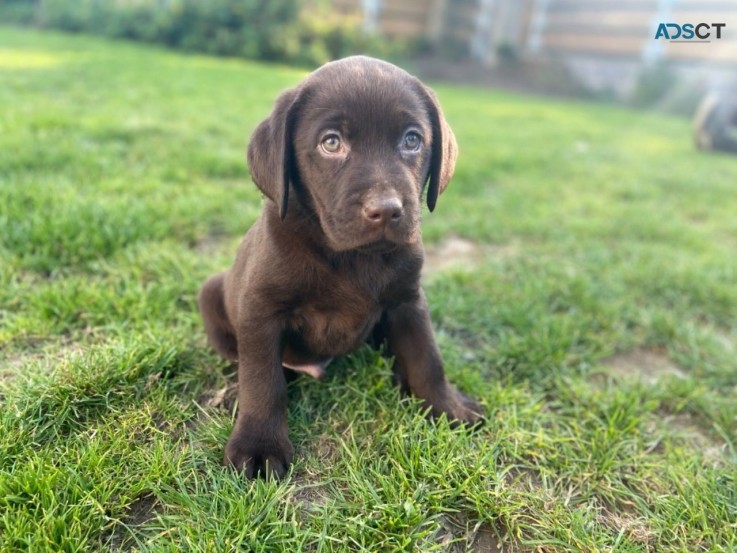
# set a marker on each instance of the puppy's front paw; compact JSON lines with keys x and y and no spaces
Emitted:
{"x":259,"y":454}
{"x":459,"y":408}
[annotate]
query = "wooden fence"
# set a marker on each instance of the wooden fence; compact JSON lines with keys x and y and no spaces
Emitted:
{"x":623,"y":29}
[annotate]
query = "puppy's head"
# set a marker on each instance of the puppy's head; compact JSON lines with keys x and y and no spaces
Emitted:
{"x":355,"y":143}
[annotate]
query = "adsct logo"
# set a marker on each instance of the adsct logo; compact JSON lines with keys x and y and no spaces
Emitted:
{"x":688,"y":32}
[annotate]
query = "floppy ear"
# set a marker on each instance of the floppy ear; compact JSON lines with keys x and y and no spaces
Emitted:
{"x":270,"y":155}
{"x":444,"y":149}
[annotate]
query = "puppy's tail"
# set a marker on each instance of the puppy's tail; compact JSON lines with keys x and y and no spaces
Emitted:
{"x":217,"y":326}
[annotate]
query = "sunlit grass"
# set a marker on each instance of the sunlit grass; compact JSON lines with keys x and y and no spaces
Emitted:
{"x":595,"y":321}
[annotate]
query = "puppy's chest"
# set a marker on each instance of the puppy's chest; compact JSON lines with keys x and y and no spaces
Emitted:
{"x":335,"y":316}
{"x":332,"y":332}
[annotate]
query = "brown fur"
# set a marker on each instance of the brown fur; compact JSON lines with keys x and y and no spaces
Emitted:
{"x":335,"y":257}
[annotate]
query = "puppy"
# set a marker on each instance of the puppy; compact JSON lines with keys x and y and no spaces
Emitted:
{"x":334,"y":258}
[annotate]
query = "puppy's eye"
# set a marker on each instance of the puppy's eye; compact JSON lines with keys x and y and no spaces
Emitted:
{"x":412,"y":141}
{"x":331,"y":144}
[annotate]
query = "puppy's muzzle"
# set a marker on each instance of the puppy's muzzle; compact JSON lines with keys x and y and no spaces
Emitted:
{"x":381,"y":212}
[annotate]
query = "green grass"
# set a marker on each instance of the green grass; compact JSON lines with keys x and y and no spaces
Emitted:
{"x":605,"y":252}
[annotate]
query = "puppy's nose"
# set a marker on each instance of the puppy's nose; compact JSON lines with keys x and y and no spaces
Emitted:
{"x":381,"y":211}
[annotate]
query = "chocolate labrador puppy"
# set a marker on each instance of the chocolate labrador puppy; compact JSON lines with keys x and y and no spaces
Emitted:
{"x":334,"y":259}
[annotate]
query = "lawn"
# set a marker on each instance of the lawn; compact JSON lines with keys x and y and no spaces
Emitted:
{"x":592,"y":308}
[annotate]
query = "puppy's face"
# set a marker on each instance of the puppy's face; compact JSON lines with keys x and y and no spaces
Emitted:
{"x":361,"y":137}
{"x":362,"y":148}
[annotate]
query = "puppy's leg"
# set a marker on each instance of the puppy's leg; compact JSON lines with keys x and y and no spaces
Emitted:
{"x":259,"y":443}
{"x":217,"y":326}
{"x":419,"y":366}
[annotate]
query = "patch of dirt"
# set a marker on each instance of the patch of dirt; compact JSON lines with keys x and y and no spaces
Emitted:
{"x":522,"y":479}
{"x":457,"y":535}
{"x":140,"y":511}
{"x":627,"y":522}
{"x":687,"y":431}
{"x":309,"y":497}
{"x":310,"y":493}
{"x":456,"y":252}
{"x":647,"y":364}
{"x":486,"y":541}
{"x":684,"y":427}
{"x":224,"y":398}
